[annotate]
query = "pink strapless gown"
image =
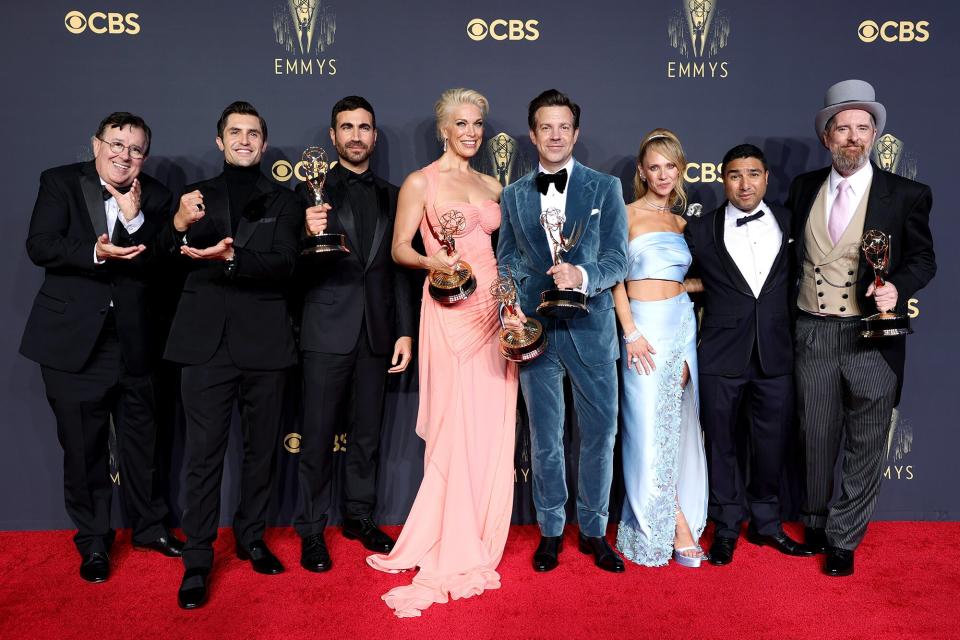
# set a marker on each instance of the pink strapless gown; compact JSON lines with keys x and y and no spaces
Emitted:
{"x":458,"y":524}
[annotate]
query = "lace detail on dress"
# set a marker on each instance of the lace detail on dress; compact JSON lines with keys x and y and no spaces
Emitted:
{"x":661,"y":511}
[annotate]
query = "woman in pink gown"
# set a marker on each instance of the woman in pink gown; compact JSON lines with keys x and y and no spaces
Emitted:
{"x":458,"y":525}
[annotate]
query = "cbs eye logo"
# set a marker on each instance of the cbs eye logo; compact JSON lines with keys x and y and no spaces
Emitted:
{"x":894,"y":31}
{"x":100,"y":22}
{"x":500,"y":29}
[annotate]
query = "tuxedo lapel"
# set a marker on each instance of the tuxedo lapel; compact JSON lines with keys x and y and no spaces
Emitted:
{"x":783,"y":220}
{"x":344,"y":214}
{"x":528,"y":214}
{"x":581,"y":194}
{"x":733,"y":272}
{"x":383,"y":203}
{"x":216,"y":204}
{"x":93,"y":197}
{"x":878,"y":209}
{"x":255,"y":211}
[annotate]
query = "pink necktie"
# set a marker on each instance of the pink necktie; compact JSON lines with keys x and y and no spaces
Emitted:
{"x":840,"y":213}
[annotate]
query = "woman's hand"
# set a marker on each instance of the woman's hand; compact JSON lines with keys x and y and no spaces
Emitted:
{"x":442,"y":262}
{"x":640,"y":354}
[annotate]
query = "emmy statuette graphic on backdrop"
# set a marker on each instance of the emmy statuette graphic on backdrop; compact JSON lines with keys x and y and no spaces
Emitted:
{"x":325,"y":245}
{"x":876,"y":249}
{"x":529,"y":342}
{"x":450,"y":288}
{"x":564,"y":304}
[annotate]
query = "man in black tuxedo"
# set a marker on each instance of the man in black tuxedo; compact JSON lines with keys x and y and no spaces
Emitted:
{"x":233,"y":335}
{"x":357,"y":327}
{"x":742,"y":255}
{"x":847,"y":386}
{"x":89,"y":330}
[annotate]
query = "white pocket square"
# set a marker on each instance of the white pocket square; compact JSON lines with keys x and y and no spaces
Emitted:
{"x":595,"y":212}
{"x":790,"y":241}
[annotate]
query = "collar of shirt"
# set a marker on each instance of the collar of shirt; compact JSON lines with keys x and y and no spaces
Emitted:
{"x":731,"y":213}
{"x":552,"y":189}
{"x":859,"y":181}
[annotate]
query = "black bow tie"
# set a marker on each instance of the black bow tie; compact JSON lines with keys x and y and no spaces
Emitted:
{"x":107,"y":195}
{"x":559,"y":180}
{"x":745,"y":219}
{"x":365,"y":177}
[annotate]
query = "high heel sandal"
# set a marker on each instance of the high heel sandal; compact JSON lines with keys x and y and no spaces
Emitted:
{"x":689,"y":561}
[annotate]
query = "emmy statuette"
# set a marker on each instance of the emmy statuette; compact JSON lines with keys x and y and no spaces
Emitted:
{"x":320,"y":245}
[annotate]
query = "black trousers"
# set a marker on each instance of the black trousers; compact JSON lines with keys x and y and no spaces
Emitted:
{"x":83,"y":403}
{"x":209,"y":391}
{"x":767,"y":402}
{"x":845,"y":394}
{"x":341,"y":392}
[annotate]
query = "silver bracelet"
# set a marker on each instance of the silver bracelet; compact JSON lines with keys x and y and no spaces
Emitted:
{"x":633,"y":336}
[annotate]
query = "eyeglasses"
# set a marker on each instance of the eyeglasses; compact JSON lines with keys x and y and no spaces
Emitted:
{"x":117,"y":147}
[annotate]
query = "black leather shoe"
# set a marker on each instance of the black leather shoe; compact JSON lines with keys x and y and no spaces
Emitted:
{"x":603,"y":554}
{"x":193,"y":588}
{"x":781,"y":542}
{"x":839,"y":562}
{"x":314,"y":555}
{"x":167,"y":544}
{"x":260,"y":557}
{"x":366,"y":531}
{"x":545,"y":558}
{"x":816,"y":539}
{"x":721,"y":551}
{"x":95,"y":567}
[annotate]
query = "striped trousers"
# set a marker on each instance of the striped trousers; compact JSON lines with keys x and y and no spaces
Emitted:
{"x":845,"y":397}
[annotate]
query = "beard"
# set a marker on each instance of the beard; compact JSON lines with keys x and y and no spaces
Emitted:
{"x":847,"y":163}
{"x":355,"y":153}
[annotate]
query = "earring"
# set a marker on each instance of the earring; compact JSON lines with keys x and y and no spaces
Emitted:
{"x":444,"y":145}
{"x":643,"y":178}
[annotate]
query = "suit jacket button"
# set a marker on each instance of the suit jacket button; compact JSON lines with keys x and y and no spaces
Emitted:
{"x":820,"y":294}
{"x":819,"y":281}
{"x":844,"y":296}
{"x":843,"y":308}
{"x":849,"y":273}
{"x":103,"y":312}
{"x":597,"y":290}
{"x":823,"y":306}
{"x":848,"y":284}
{"x":816,"y":270}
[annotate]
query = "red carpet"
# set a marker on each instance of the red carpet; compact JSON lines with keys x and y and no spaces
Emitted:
{"x":906,"y":585}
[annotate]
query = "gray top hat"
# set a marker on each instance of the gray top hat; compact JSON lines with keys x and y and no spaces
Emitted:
{"x":851,"y":94}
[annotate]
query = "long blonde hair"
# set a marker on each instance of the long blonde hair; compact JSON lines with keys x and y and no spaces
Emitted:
{"x":666,"y":143}
{"x":453,"y":97}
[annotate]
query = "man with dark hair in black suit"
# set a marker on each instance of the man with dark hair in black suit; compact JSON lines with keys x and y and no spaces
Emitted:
{"x":357,"y":328}
{"x":742,"y":255}
{"x":232,"y":332}
{"x":90,"y":331}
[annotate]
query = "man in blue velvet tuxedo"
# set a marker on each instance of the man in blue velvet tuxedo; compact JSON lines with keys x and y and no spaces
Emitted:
{"x":585,"y":349}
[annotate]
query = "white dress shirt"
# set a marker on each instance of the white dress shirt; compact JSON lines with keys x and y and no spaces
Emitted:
{"x":753,"y":245}
{"x":556,"y":200}
{"x":859,"y":186}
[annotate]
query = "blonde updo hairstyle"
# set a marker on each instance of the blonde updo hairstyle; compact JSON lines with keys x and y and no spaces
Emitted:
{"x":666,"y":143}
{"x":454,"y":97}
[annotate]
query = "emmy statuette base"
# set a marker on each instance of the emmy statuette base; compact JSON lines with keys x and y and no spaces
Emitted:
{"x":523,"y":346}
{"x":563,"y":304}
{"x":883,"y":325}
{"x":326,"y":246}
{"x":451,"y":288}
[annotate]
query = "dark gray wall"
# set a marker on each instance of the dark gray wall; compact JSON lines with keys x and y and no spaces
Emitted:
{"x":178,"y":63}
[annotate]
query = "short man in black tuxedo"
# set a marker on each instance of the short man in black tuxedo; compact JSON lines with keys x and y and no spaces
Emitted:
{"x":847,"y":386}
{"x":89,"y":330}
{"x":742,"y":255}
{"x":357,"y":327}
{"x":232,"y":333}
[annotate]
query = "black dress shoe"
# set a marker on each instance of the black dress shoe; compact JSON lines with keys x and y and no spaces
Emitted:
{"x":839,"y":562}
{"x":545,"y":558}
{"x":167,"y":544}
{"x":603,"y":554}
{"x":260,"y":557}
{"x":781,"y":542}
{"x":95,"y":567}
{"x":193,"y":588}
{"x":816,"y":539}
{"x":366,"y":531}
{"x":314,"y":555}
{"x":721,"y":551}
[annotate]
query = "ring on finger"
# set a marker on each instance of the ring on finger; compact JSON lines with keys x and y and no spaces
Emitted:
{"x":635,"y":359}
{"x":199,"y":206}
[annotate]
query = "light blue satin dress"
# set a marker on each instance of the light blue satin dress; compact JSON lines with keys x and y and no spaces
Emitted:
{"x":663,"y":457}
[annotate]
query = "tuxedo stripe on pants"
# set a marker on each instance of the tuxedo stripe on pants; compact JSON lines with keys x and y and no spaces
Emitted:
{"x":844,"y":388}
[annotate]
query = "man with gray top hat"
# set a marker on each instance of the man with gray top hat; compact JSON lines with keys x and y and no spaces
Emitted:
{"x":847,"y":386}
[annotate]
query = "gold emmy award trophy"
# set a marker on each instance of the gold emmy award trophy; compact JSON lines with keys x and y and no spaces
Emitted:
{"x":523,"y":345}
{"x":565,"y":304}
{"x":876,"y":249}
{"x":326,"y":245}
{"x":450,"y":288}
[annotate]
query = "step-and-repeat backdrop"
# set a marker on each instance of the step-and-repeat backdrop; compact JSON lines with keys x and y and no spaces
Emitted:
{"x":718,"y":72}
